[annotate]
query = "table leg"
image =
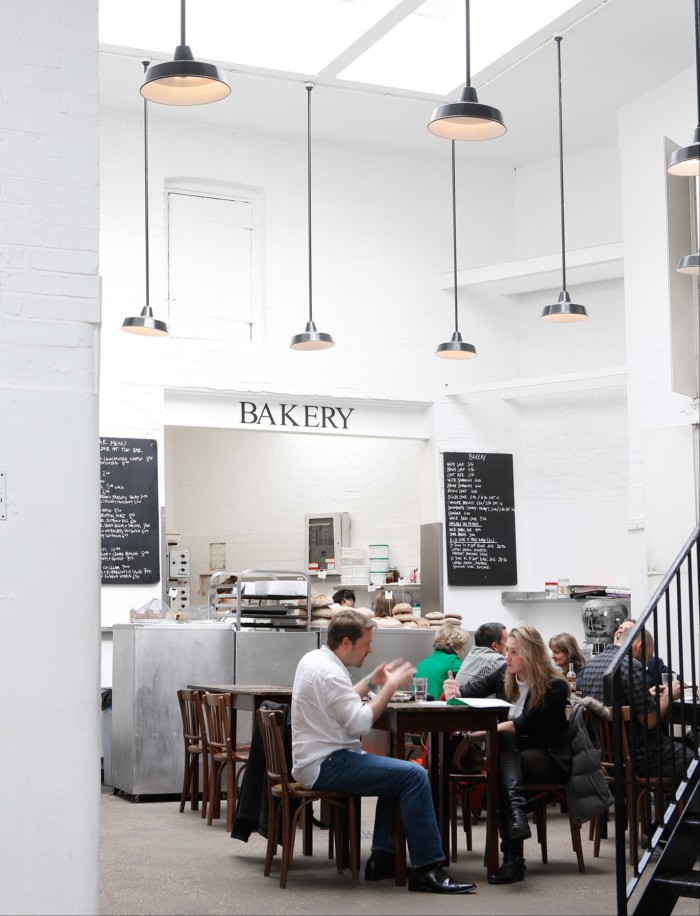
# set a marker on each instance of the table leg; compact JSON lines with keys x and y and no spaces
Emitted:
{"x":491,"y":857}
{"x":397,"y":750}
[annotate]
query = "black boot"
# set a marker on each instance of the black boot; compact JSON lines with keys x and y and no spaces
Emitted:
{"x":514,"y":824}
{"x":513,"y":867}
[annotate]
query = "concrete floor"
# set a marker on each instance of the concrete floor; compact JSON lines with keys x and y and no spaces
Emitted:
{"x":156,"y":860}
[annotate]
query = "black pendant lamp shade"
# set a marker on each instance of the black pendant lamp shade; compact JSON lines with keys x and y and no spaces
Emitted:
{"x":184,"y":80}
{"x":686,"y":160}
{"x":467,"y":119}
{"x":145,"y":324}
{"x":455,"y":348}
{"x":564,"y":310}
{"x":311,"y":338}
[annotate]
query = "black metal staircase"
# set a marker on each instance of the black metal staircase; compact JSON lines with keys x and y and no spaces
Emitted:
{"x":664,"y":864}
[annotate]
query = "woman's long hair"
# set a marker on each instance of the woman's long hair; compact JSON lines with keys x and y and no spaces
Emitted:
{"x":565,"y":642}
{"x":538,"y":670}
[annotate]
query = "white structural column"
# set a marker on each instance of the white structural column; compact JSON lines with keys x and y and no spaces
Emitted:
{"x":49,"y":529}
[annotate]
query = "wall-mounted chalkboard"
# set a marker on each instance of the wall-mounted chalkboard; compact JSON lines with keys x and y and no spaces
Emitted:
{"x":480,"y":519}
{"x":129,"y":511}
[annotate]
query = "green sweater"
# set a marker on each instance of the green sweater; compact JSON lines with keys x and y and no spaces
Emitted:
{"x":435,"y":668}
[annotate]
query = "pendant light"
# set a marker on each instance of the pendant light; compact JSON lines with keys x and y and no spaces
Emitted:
{"x":564,"y":310}
{"x":184,"y":80}
{"x":686,"y":160}
{"x":455,"y":348}
{"x":311,"y":339}
{"x":467,"y":119}
{"x":145,"y":324}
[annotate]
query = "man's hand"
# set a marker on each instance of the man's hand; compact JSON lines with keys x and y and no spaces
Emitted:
{"x":451,"y":687}
{"x":401,"y":676}
{"x":381,"y":672}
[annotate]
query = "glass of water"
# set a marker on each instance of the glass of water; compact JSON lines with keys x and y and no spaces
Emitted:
{"x":420,"y":688}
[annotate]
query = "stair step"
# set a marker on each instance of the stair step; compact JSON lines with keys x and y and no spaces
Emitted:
{"x":690,"y":825}
{"x":682,"y":883}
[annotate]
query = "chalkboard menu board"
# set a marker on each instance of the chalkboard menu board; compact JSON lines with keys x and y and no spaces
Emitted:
{"x":480,"y":519}
{"x":129,"y":511}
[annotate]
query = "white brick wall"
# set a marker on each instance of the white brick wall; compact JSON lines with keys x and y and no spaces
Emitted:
{"x":49,"y":318}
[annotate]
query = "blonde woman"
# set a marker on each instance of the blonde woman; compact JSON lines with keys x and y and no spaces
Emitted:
{"x":449,"y":648}
{"x":533,"y":742}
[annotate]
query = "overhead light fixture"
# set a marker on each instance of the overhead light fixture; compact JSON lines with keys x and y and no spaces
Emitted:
{"x":455,"y":348}
{"x":145,"y":324}
{"x":311,"y":339}
{"x":564,"y":310}
{"x":467,"y":119}
{"x":184,"y":80}
{"x":686,"y":160}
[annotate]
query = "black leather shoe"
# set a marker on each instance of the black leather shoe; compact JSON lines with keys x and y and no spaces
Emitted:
{"x":380,"y":865}
{"x":512,"y":870}
{"x":436,"y":881}
{"x":519,"y":828}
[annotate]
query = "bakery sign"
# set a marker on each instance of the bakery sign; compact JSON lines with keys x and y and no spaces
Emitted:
{"x":304,"y":416}
{"x":257,"y":412}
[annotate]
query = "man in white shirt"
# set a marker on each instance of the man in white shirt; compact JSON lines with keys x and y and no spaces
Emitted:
{"x":329,"y":719}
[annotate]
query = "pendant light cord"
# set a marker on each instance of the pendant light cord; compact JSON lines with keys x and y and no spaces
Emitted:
{"x":697,"y":55}
{"x":309,"y":87}
{"x":454,"y":233}
{"x":145,"y":186}
{"x":467,"y":80}
{"x":182,"y":22}
{"x":558,"y":40}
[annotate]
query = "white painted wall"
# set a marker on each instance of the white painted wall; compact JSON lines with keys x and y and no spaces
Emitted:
{"x":49,"y":319}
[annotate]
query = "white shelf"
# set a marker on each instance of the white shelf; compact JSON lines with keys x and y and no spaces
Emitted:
{"x":515,"y":389}
{"x":583,"y":265}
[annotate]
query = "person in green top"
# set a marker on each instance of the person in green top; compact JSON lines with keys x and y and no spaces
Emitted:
{"x":449,"y":648}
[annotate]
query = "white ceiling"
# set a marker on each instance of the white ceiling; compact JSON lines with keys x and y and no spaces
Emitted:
{"x":613,"y":51}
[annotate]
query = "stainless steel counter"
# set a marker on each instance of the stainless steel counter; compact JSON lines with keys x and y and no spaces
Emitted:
{"x":152,"y":660}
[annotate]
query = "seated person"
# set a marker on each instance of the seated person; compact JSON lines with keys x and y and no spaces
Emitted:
{"x":566,"y":650}
{"x":655,"y":666}
{"x":449,"y":646}
{"x":487,"y":654}
{"x":649,"y":746}
{"x":329,"y":718}
{"x":533,"y":742}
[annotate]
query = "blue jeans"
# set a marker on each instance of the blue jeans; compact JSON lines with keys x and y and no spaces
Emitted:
{"x":388,"y":777}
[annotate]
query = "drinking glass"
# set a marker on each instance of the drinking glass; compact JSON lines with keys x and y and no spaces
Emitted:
{"x":420,"y":688}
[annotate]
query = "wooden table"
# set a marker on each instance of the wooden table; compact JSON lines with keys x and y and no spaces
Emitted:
{"x":247,"y":698}
{"x":438,"y":719}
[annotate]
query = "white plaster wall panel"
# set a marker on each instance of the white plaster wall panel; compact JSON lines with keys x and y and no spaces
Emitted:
{"x":378,"y":248}
{"x":670,"y":111}
{"x":49,"y":311}
{"x":592,"y":202}
{"x":232,"y":485}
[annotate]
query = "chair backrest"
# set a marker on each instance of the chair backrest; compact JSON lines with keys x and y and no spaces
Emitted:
{"x":269,"y":722}
{"x":218,"y":710}
{"x":193,"y":731}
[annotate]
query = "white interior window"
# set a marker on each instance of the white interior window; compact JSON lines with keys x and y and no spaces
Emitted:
{"x":210,"y":266}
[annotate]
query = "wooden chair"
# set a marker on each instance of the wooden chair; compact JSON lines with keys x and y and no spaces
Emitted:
{"x":282,"y":794}
{"x":598,"y":828}
{"x":539,"y":796}
{"x":194,"y":735}
{"x":463,"y":791}
{"x":642,"y":792}
{"x":222,"y":755}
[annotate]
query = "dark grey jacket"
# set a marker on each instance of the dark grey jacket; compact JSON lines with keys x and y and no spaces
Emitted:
{"x":587,"y":792}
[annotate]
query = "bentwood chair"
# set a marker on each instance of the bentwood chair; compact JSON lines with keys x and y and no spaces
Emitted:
{"x":194,"y":735}
{"x":222,"y":756}
{"x":289,"y":802}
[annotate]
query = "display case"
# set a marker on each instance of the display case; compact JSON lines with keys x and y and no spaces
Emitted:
{"x":262,"y":598}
